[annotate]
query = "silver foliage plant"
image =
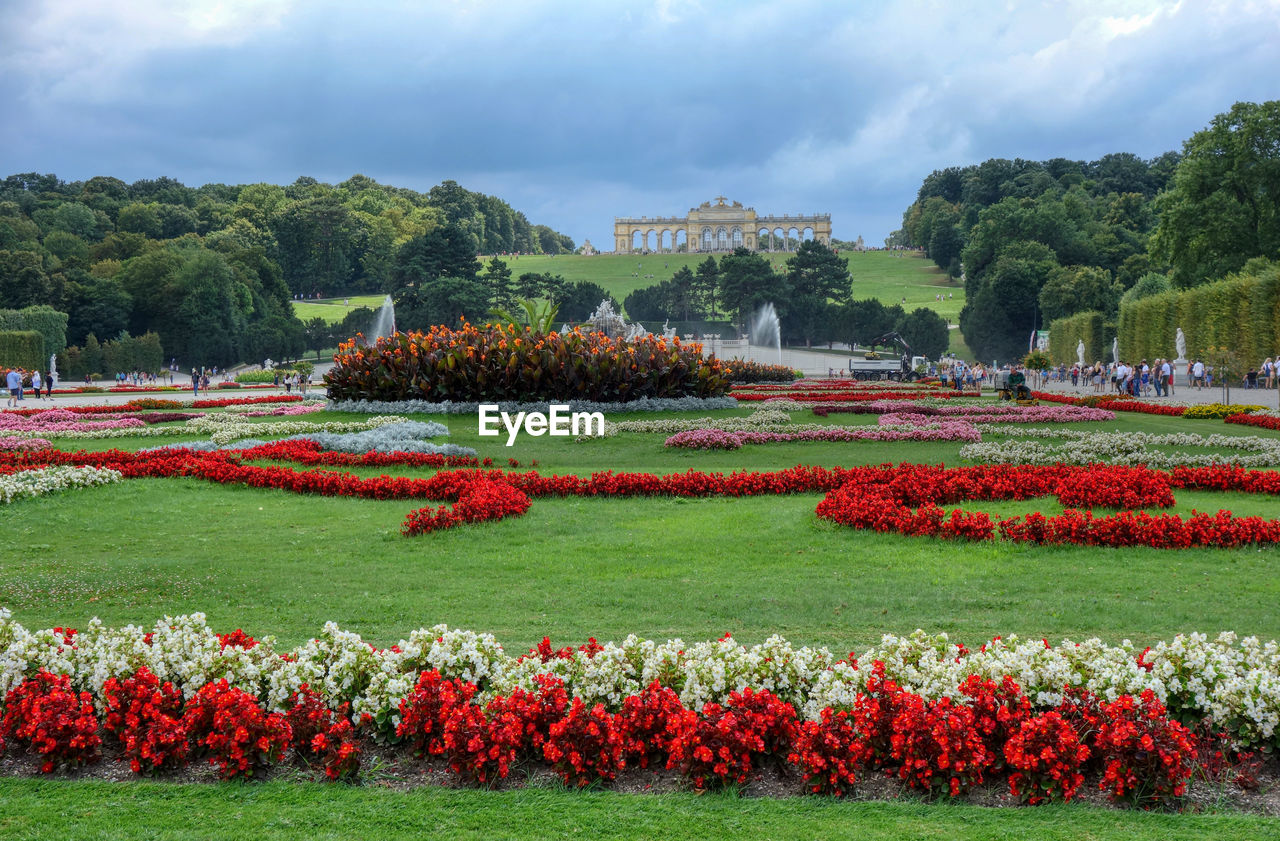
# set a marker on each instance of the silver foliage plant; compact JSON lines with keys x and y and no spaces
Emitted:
{"x":408,"y":437}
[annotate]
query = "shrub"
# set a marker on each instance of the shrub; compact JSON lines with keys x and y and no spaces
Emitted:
{"x":1147,"y":758}
{"x":425,"y":711}
{"x":644,"y":723}
{"x":722,"y":744}
{"x":146,"y":717}
{"x":534,"y":710}
{"x":937,"y":746}
{"x":585,"y":746}
{"x":874,"y":710}
{"x":998,"y":711}
{"x":146,"y":404}
{"x":1218,"y":411}
{"x":45,"y":716}
{"x":1045,"y":756}
{"x":495,"y":363}
{"x":256,"y":377}
{"x":829,"y":753}
{"x":481,"y":748}
{"x":320,"y":733}
{"x":22,"y":349}
{"x":746,"y":371}
{"x":230,"y":726}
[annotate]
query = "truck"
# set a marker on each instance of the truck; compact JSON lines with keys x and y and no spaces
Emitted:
{"x":900,"y":367}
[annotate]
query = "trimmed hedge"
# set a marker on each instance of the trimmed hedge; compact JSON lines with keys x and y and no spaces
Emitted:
{"x":1241,"y":313}
{"x":496,"y":363}
{"x":22,"y":349}
{"x":1066,"y":333}
{"x":45,"y":320}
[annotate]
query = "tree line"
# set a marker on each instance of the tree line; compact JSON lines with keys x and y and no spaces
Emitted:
{"x":1037,"y":241}
{"x":212,"y":270}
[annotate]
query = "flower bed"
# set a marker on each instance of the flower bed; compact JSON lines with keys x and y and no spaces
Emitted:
{"x":719,"y":439}
{"x":1131,"y":448}
{"x":883,"y":498}
{"x":982,"y":413}
{"x":746,"y":371}
{"x":1265,"y":420}
{"x":28,"y":484}
{"x":448,"y":407}
{"x":899,"y":708}
{"x":506,"y":363}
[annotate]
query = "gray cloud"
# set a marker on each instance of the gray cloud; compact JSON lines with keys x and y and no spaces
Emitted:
{"x":576,"y":114}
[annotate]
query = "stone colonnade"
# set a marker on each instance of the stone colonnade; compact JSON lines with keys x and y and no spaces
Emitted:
{"x":718,"y":227}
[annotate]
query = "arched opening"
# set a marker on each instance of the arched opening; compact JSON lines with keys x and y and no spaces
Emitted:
{"x":637,"y":241}
{"x":793,"y":239}
{"x":779,"y":239}
{"x":735,"y":237}
{"x":707,"y":242}
{"x":807,"y":233}
{"x":681,"y":241}
{"x":765,"y":236}
{"x":664,"y":240}
{"x":650,"y":240}
{"x":722,"y":239}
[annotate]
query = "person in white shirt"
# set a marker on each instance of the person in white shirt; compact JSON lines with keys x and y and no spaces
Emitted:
{"x":1197,"y":374}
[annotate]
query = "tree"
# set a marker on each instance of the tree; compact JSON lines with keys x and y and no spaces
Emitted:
{"x":1224,"y":205}
{"x":577,"y":301}
{"x":926,"y":332}
{"x":1003,"y":307}
{"x":748,"y":282}
{"x":706,"y":284}
{"x":816,"y":275}
{"x":446,"y":300}
{"x":444,"y":252}
{"x":102,"y":307}
{"x":497,"y":276}
{"x":318,"y":334}
{"x":1068,"y":291}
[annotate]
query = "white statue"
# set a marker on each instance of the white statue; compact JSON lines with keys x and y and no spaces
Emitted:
{"x":1080,"y":353}
{"x":1180,"y":342}
{"x":1115,"y":350}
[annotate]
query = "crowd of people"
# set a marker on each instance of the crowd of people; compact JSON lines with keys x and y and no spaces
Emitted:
{"x":18,"y":381}
{"x":1157,"y":378}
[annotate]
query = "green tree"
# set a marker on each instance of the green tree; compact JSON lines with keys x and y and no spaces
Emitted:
{"x":748,"y":282}
{"x":497,"y":276}
{"x":577,"y":301}
{"x":1224,"y":205}
{"x":925,"y":331}
{"x":445,"y":252}
{"x":445,"y":300}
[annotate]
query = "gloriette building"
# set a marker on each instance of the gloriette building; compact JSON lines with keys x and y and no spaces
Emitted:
{"x":718,"y":226}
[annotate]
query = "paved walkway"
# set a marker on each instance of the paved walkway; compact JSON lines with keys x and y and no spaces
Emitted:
{"x":1183,"y":395}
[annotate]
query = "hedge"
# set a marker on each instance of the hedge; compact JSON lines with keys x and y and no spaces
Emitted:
{"x":45,"y":320}
{"x":22,"y":349}
{"x":1241,"y":313}
{"x":1065,"y":334}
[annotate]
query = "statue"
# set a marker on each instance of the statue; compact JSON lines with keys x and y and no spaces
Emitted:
{"x":53,"y":370}
{"x":1080,"y":353}
{"x":1181,"y":344}
{"x":1115,"y":350}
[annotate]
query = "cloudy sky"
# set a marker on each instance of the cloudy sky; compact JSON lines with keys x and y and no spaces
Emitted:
{"x":575,"y":112}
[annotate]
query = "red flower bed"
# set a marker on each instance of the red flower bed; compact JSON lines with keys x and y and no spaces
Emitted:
{"x":44,"y":715}
{"x":1147,"y":757}
{"x":230,"y":726}
{"x":723,"y":743}
{"x":1114,"y":404}
{"x":585,"y":746}
{"x":145,"y":716}
{"x":1045,"y":756}
{"x":1262,"y":421}
{"x":903,"y":498}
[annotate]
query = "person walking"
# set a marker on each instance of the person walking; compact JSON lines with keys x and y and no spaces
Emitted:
{"x":48,"y":385}
{"x":195,"y":382}
{"x":36,"y":383}
{"x":13,"y":382}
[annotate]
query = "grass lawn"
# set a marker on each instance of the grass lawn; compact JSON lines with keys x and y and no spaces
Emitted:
{"x":282,"y":564}
{"x":334,"y":310}
{"x":888,"y":276}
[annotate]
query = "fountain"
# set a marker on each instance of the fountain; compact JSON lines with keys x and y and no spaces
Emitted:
{"x":606,"y":320}
{"x":384,"y":323}
{"x":765,"y":330}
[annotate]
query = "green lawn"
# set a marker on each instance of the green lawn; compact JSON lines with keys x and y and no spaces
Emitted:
{"x":278,"y":563}
{"x":888,"y":276}
{"x":334,"y":310}
{"x":70,"y":810}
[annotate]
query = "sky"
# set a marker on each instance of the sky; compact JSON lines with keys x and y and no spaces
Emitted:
{"x":577,"y":112}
